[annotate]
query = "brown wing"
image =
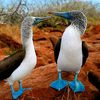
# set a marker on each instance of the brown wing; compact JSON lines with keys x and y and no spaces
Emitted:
{"x":84,"y":52}
{"x":9,"y":64}
{"x":57,"y":49}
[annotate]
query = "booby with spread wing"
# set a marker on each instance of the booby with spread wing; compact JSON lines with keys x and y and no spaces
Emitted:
{"x":24,"y":60}
{"x":70,"y":51}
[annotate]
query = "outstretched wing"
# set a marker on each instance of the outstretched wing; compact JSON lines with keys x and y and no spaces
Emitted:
{"x":9,"y":64}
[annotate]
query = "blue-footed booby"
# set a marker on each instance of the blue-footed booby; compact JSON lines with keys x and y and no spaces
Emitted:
{"x":24,"y":60}
{"x":70,"y":51}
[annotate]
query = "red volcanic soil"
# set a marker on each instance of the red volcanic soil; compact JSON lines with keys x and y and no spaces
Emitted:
{"x":46,"y":71}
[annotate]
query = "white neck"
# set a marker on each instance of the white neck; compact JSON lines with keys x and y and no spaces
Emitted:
{"x":27,"y":40}
{"x":71,"y":31}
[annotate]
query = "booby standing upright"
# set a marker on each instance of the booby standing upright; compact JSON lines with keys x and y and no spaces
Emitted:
{"x":70,"y":51}
{"x":18,"y":68}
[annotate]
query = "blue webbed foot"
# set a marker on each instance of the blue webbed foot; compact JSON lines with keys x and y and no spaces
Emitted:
{"x":76,"y":85}
{"x":60,"y":83}
{"x":16,"y":94}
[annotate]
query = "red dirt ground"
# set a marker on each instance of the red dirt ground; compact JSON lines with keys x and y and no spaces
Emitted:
{"x":45,"y":71}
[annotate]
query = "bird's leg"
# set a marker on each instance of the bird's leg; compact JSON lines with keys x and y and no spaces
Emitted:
{"x":21,"y":88}
{"x":76,"y":75}
{"x":76,"y":85}
{"x":16,"y":94}
{"x":60,"y":83}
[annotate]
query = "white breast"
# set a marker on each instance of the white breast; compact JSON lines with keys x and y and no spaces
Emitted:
{"x":27,"y":64}
{"x":70,"y":56}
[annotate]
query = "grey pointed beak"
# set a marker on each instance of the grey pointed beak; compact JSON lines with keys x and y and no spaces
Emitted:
{"x":66,"y":15}
{"x":43,"y":18}
{"x":61,"y":14}
{"x":40,"y":19}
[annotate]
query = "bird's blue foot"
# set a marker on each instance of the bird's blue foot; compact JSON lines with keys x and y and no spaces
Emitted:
{"x":76,"y":85}
{"x":59,"y":84}
{"x":16,"y":94}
